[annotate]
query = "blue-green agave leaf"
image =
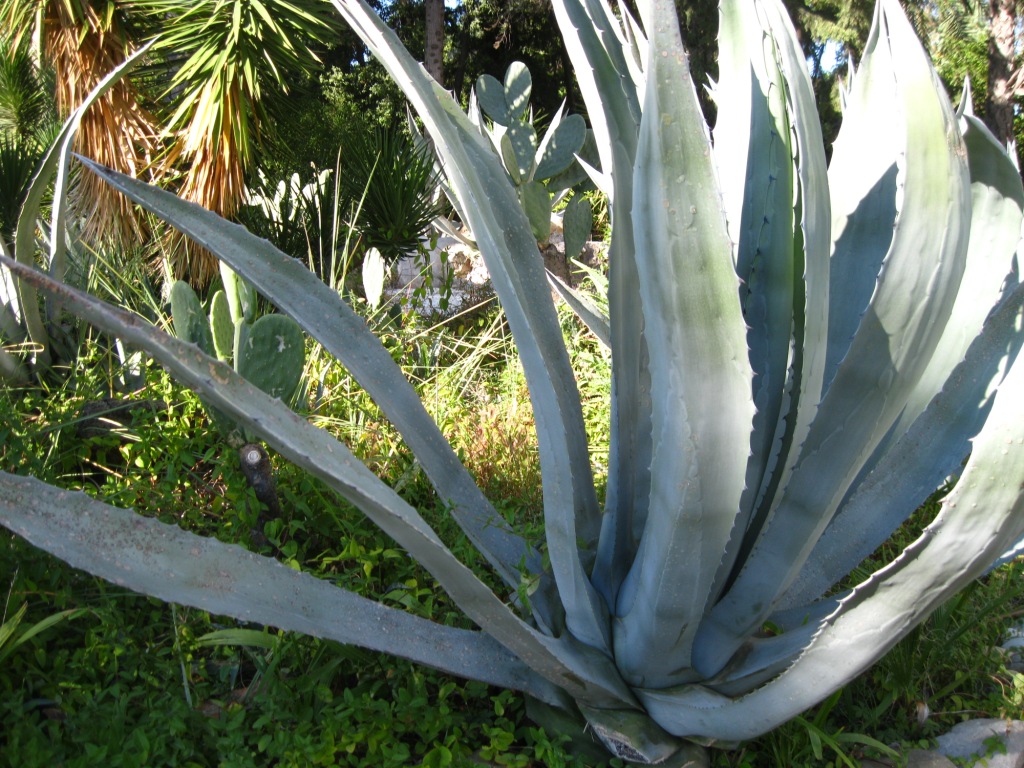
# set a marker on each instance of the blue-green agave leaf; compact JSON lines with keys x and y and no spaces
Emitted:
{"x":322,"y":314}
{"x":503,"y":235}
{"x":164,"y":561}
{"x":893,"y":344}
{"x":919,"y":460}
{"x":980,"y":519}
{"x":692,"y":313}
{"x":316,"y":451}
{"x":997,"y":202}
{"x":55,"y":162}
{"x":585,"y":309}
{"x":612,"y":90}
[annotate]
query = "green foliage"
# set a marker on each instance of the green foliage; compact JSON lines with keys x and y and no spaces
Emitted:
{"x":799,"y":355}
{"x":268,"y":351}
{"x":386,"y":184}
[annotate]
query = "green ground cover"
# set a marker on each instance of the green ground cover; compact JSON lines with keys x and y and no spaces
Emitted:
{"x":120,"y":679}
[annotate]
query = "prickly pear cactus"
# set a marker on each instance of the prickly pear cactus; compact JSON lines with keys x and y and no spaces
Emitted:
{"x":273,"y":355}
{"x":577,"y":221}
{"x":222,"y":326}
{"x":537,"y":166}
{"x":508,"y":101}
{"x":560,"y":147}
{"x":189,"y":319}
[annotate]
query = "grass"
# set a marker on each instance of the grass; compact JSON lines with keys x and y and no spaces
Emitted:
{"x":124,"y":680}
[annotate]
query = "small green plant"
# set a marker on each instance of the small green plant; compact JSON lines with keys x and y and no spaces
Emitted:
{"x":800,"y":354}
{"x":386,"y":182}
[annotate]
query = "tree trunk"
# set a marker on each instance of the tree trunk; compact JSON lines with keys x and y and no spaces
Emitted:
{"x":999,"y":108}
{"x":434,"y":55}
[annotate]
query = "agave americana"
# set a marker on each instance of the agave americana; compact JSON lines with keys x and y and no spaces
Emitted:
{"x":801,"y":353}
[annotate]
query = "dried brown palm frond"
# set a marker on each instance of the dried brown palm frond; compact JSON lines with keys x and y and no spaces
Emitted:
{"x":83,"y":40}
{"x":118,"y":131}
{"x":235,"y":59}
{"x":215,"y":152}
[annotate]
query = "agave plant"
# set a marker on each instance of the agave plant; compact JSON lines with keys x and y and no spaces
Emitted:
{"x":21,"y":322}
{"x":800,"y":355}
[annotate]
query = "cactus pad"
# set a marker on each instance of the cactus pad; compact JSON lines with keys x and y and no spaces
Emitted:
{"x":272,"y":355}
{"x":221,"y":326}
{"x":190,"y":322}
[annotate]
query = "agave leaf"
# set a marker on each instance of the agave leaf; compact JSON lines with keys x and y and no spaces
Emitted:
{"x":576,"y":668}
{"x":812,"y":243}
{"x":692,"y":312}
{"x":997,"y":202}
{"x":863,"y":184}
{"x":322,"y":314}
{"x":978,"y":521}
{"x":893,"y":344}
{"x":55,"y":161}
{"x":755,"y":158}
{"x":612,"y":95}
{"x":164,"y":561}
{"x":919,"y":460}
{"x":585,"y":309}
{"x":503,"y":235}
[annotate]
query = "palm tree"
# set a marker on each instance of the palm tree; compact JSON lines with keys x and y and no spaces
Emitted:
{"x":222,"y":62}
{"x":227,"y":61}
{"x":83,"y":40}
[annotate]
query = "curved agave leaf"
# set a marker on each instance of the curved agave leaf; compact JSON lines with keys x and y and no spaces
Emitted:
{"x":510,"y":252}
{"x":577,"y":669}
{"x":895,"y":340}
{"x":589,"y":313}
{"x":164,"y":561}
{"x":55,"y":162}
{"x":692,"y":312}
{"x":979,"y":520}
{"x":919,"y":460}
{"x":612,"y":83}
{"x":321,"y":313}
{"x":997,"y":203}
{"x":755,"y":159}
{"x":781,"y":206}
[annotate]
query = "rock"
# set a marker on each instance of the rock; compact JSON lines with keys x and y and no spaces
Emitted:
{"x":1000,"y":743}
{"x":1013,"y":648}
{"x":921,"y":758}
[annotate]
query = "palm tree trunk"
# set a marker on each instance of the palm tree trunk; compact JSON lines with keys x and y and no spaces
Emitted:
{"x":999,"y":108}
{"x":434,"y":56}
